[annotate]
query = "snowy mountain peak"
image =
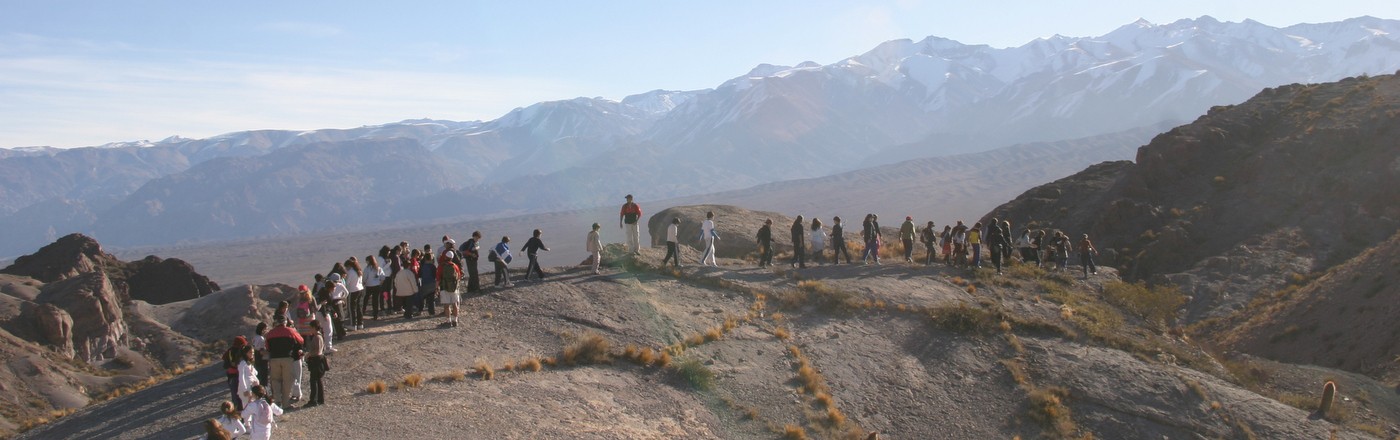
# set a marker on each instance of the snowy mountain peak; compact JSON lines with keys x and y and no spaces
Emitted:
{"x":658,"y":102}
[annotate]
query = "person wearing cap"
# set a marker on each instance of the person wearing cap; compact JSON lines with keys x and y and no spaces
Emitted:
{"x":283,"y":350}
{"x":449,"y":279}
{"x":628,"y":221}
{"x":594,"y":245}
{"x":906,"y":237}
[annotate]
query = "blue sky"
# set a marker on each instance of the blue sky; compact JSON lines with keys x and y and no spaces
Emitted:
{"x":76,"y":73}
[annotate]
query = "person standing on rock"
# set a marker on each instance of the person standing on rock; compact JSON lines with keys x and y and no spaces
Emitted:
{"x":532,"y":247}
{"x":673,"y":250}
{"x":799,"y":251}
{"x":471,"y":253}
{"x":818,"y":242}
{"x":838,"y":241}
{"x":997,"y":242}
{"x":283,"y":350}
{"x":765,"y":243}
{"x":628,"y":221}
{"x":500,"y":255}
{"x":1006,"y":241}
{"x":1086,"y":256}
{"x":930,"y":240}
{"x":260,"y":415}
{"x":450,"y":287}
{"x":906,"y":237}
{"x":594,"y":246}
{"x":316,"y":362}
{"x":708,"y":235}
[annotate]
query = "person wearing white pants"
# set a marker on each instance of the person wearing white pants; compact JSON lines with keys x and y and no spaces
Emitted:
{"x":708,"y":236}
{"x":629,"y":220}
{"x":595,"y":246}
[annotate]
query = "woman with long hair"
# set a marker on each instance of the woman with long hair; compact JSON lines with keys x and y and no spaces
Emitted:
{"x":374,"y":288}
{"x":818,"y":242}
{"x":247,"y":375}
{"x":260,"y":414}
{"x":229,"y":422}
{"x":355,"y":283}
{"x":213,"y":430}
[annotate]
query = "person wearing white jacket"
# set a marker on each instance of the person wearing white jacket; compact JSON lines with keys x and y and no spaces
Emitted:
{"x":355,"y":283}
{"x":247,"y":376}
{"x":374,"y":287}
{"x":818,"y":241}
{"x":595,"y":246}
{"x":708,"y":237}
{"x":260,"y":415}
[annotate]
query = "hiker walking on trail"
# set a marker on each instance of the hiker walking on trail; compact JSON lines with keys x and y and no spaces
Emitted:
{"x":838,"y":241}
{"x":1061,"y":246}
{"x":532,"y":247}
{"x":818,"y":241}
{"x":765,"y":243}
{"x":870,"y":232}
{"x":260,"y":415}
{"x":673,"y":250}
{"x":471,"y":253}
{"x":627,"y":220}
{"x":974,"y":238}
{"x":594,"y":246}
{"x":930,"y":240}
{"x":500,"y":256}
{"x":906,"y":237}
{"x":799,"y":251}
{"x":1086,"y":256}
{"x":708,"y":235}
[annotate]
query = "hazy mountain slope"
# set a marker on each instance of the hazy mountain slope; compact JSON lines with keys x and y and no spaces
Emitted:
{"x":1297,"y":179}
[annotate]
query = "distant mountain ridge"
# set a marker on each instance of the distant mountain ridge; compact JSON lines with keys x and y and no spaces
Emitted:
{"x":901,"y":100}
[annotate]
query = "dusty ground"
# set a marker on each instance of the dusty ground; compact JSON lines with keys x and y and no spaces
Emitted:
{"x":892,"y":354}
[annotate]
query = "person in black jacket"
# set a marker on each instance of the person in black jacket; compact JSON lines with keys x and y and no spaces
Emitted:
{"x":930,"y":239}
{"x":471,"y":251}
{"x":533,"y":245}
{"x":838,"y":241}
{"x":799,"y":251}
{"x":765,"y":244}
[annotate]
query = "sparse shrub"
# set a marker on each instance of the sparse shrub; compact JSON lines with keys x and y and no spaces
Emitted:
{"x":961,"y":318}
{"x":794,"y":432}
{"x":550,"y":361}
{"x":1048,"y":408}
{"x":823,"y":400}
{"x":630,"y":352}
{"x":713,"y":334}
{"x":508,"y":366}
{"x":834,"y":417}
{"x":533,"y":365}
{"x":781,"y":333}
{"x":696,"y":374}
{"x":1157,"y":305}
{"x":413,"y":380}
{"x":591,"y":348}
{"x":663,"y":360}
{"x":695,"y":339}
{"x":451,"y":376}
{"x":971,"y":288}
{"x":484,"y":370}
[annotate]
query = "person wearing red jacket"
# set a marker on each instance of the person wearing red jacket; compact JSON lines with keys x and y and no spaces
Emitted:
{"x":629,"y":220}
{"x":284,"y":347}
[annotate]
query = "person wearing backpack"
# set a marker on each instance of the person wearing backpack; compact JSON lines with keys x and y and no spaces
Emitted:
{"x":628,"y":220}
{"x":930,"y":240}
{"x":533,"y":246}
{"x":471,"y":253}
{"x":449,"y":284}
{"x":765,"y":243}
{"x":500,"y":255}
{"x":594,"y":246}
{"x":838,"y":241}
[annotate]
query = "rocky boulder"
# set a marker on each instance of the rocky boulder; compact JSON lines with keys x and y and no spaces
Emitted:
{"x":160,"y":281}
{"x":98,"y":325}
{"x":55,"y":326}
{"x":70,"y":256}
{"x":737,"y":228}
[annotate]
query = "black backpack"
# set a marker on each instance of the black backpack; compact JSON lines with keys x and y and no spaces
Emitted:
{"x":448,"y":282}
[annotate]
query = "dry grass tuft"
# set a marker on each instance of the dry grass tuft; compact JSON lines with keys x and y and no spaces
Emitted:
{"x":794,"y":432}
{"x":532,"y":365}
{"x":824,"y":400}
{"x":377,"y":387}
{"x":645,"y":357}
{"x":550,"y":361}
{"x":412,"y":380}
{"x":730,"y":323}
{"x":1048,"y":408}
{"x":713,"y":334}
{"x":781,"y":333}
{"x":971,"y":288}
{"x":591,"y":348}
{"x":663,"y":360}
{"x":834,"y":417}
{"x":630,"y":352}
{"x":484,"y":370}
{"x":509,"y":366}
{"x":452,"y":376}
{"x":695,"y":340}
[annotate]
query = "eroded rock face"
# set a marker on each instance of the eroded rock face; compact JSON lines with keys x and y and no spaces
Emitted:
{"x":55,"y":326}
{"x":70,"y":256}
{"x":96,"y":308}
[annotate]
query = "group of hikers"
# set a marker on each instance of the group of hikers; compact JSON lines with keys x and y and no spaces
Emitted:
{"x":268,"y":372}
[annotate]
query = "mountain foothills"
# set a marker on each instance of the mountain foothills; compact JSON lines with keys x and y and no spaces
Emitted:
{"x":901,"y":100}
{"x":1277,"y":216}
{"x":1266,"y":233}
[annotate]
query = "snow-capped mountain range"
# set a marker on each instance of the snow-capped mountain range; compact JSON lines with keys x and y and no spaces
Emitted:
{"x":901,"y":100}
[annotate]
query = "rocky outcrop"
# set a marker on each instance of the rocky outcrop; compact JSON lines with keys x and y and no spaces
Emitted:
{"x":55,"y":326}
{"x":158,"y":281}
{"x":152,"y":279}
{"x":737,"y":228}
{"x":98,"y":324}
{"x":70,"y":256}
{"x":1296,"y":180}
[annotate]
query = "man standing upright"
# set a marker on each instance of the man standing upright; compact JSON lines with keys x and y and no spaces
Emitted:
{"x":629,"y":217}
{"x":283,"y":349}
